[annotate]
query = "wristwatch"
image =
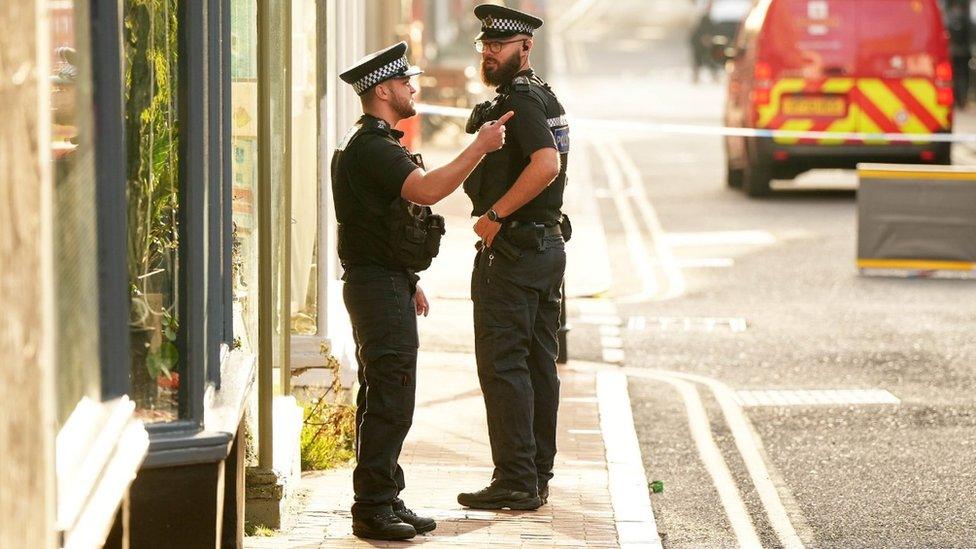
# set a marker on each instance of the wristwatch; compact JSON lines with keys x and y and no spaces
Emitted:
{"x":492,"y":215}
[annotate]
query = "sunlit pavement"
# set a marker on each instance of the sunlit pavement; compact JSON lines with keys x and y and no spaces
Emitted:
{"x":447,"y":452}
{"x":692,"y":260}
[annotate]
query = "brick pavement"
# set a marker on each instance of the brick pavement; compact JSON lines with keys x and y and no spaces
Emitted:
{"x":447,"y":452}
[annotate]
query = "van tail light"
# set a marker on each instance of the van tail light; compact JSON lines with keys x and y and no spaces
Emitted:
{"x":764,"y":71}
{"x":760,"y":96}
{"x":763,"y":78}
{"x":943,"y":83}
{"x":945,"y":96}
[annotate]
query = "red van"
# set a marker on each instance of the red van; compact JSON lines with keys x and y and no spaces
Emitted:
{"x":866,"y":66}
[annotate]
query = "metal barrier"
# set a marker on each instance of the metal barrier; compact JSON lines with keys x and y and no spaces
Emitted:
{"x":916,"y":221}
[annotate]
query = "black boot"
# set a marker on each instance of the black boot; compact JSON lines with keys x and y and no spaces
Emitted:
{"x":382,"y":524}
{"x":421,"y":524}
{"x":544,"y":493}
{"x":495,"y":497}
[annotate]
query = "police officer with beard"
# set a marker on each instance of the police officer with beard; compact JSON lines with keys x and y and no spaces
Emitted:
{"x":386,"y":235}
{"x":517,"y":192}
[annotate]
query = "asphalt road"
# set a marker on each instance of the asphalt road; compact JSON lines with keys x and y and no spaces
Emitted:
{"x":763,"y":295}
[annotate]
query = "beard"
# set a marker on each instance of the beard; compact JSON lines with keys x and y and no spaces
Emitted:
{"x":403,"y":107}
{"x":503,"y":73}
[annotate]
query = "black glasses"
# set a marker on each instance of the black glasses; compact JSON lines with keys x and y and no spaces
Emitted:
{"x":494,"y":47}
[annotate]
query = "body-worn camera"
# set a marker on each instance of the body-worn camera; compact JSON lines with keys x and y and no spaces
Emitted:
{"x":479,"y":115}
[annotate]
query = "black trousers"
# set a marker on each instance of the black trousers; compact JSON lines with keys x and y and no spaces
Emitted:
{"x":516,"y":319}
{"x":384,"y":323}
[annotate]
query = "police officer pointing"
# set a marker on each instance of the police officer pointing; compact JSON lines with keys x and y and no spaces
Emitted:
{"x":386,"y":235}
{"x":517,"y":192}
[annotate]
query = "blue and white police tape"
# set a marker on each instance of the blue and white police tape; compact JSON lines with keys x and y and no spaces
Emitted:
{"x":694,"y":129}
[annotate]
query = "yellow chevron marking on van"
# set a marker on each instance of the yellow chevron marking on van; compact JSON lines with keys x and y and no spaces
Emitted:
{"x":782,"y":86}
{"x":868,"y":126}
{"x":841,"y":126}
{"x":838,"y":85}
{"x":849,"y":122}
{"x":924,"y":91}
{"x":915,"y":264}
{"x":892,"y":107}
{"x":798,"y":125}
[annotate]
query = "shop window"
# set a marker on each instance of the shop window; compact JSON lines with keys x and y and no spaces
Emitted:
{"x":244,"y":166}
{"x":75,"y":253}
{"x":153,"y":203}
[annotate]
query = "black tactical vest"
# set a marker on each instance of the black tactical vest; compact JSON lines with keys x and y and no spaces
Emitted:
{"x":399,"y":234}
{"x":498,"y":171}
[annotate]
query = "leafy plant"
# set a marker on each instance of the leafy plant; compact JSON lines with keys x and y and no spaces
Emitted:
{"x":328,"y":429}
{"x":328,"y":435}
{"x":152,"y":134}
{"x":152,"y":178}
{"x":163,"y":361}
{"x":258,"y":530}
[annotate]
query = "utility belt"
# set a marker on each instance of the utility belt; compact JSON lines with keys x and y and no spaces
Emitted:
{"x":528,"y":235}
{"x":518,"y":236}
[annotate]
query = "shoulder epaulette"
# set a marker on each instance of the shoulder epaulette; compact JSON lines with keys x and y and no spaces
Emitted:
{"x":363,"y":127}
{"x":521,"y":83}
{"x":376,"y":125}
{"x":351,"y":134}
{"x":540,"y":82}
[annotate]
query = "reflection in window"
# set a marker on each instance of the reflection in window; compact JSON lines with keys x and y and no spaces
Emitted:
{"x":74,"y":181}
{"x":304,"y":185}
{"x":244,"y":128}
{"x":152,"y":163}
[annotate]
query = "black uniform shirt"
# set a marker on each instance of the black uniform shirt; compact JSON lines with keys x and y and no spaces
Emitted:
{"x":538,"y":123}
{"x":530,"y":132}
{"x":367,"y":177}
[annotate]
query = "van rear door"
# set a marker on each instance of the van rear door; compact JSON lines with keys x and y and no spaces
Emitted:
{"x":904,"y":75}
{"x":809,"y":52}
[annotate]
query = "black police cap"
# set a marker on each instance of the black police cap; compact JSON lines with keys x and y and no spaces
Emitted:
{"x":379,"y":67}
{"x":501,"y":22}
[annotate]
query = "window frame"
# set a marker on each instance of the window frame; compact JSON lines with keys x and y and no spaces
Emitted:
{"x":110,"y":201}
{"x":101,"y":444}
{"x":194,"y":164}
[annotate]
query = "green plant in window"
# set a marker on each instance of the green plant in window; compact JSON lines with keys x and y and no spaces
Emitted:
{"x":152,"y":142}
{"x":152,"y":146}
{"x":162,"y":362}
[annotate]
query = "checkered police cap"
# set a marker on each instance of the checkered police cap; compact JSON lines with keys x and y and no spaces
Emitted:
{"x":379,"y":67}
{"x":500,"y":22}
{"x":390,"y":70}
{"x":513,"y":26}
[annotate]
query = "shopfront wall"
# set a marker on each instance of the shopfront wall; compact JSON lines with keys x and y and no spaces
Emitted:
{"x":174,"y":248}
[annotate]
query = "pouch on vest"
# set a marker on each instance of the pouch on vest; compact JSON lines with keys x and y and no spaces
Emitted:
{"x":415,"y":234}
{"x":566,"y":228}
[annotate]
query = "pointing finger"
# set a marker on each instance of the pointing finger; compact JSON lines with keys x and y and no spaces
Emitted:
{"x":504,"y":118}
